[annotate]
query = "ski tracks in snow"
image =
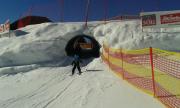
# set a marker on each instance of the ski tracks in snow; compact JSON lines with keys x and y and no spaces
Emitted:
{"x":40,"y":91}
{"x":80,"y":91}
{"x":59,"y":94}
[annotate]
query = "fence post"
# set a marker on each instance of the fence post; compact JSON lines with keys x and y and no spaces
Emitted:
{"x":105,"y":10}
{"x":62,"y":10}
{"x":108,"y":59}
{"x":102,"y":53}
{"x":87,"y":13}
{"x":152,"y":70}
{"x":122,"y":64}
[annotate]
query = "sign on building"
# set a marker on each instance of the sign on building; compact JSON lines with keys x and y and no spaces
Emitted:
{"x":4,"y":28}
{"x":170,"y":18}
{"x":160,"y":19}
{"x":149,"y":20}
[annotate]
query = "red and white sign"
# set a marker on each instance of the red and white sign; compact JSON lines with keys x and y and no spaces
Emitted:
{"x":170,"y":18}
{"x":149,"y":20}
{"x":161,"y":18}
{"x":1,"y":28}
{"x":5,"y":27}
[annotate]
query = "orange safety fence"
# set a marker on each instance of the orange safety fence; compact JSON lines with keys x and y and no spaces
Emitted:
{"x":155,"y":71}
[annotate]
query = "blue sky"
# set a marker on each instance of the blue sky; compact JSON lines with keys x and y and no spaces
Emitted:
{"x":74,"y":10}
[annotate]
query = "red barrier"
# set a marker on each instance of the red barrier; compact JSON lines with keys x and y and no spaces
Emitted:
{"x":162,"y":83}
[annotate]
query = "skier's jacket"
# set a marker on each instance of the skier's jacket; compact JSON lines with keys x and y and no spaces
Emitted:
{"x":76,"y":59}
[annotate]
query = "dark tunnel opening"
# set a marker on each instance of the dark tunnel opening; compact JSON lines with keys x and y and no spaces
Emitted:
{"x":83,"y":45}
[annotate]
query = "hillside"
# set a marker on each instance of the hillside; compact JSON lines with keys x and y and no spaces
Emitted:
{"x":35,"y":71}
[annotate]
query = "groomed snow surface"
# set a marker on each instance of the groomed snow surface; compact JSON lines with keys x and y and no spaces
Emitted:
{"x":53,"y":87}
{"x":35,"y":71}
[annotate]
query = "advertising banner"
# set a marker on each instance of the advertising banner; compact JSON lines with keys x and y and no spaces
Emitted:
{"x":4,"y":28}
{"x":149,"y":20}
{"x":160,"y":19}
{"x":170,"y":18}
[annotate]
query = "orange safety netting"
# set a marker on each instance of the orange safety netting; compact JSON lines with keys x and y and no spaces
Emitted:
{"x":157,"y":73}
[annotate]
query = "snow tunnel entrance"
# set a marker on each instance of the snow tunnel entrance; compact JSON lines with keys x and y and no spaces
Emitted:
{"x":84,"y":46}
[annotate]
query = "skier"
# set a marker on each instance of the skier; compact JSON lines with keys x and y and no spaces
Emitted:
{"x":76,"y":63}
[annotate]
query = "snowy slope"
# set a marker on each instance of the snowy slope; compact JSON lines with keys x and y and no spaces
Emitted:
{"x":49,"y":87}
{"x":34,"y":68}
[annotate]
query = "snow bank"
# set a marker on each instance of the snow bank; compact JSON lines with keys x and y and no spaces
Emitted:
{"x":46,"y":42}
{"x":41,"y":43}
{"x":129,"y":35}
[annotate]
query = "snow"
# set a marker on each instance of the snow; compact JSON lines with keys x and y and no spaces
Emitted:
{"x":35,"y":71}
{"x":129,"y":35}
{"x":46,"y":42}
{"x":49,"y":87}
